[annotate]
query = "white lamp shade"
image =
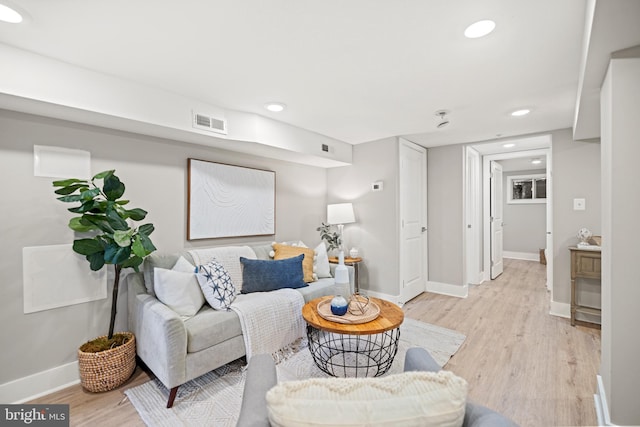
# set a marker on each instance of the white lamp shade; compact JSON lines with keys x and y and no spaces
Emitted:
{"x":340,"y":213}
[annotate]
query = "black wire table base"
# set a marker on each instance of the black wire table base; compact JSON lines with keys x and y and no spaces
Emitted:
{"x":342,"y":355}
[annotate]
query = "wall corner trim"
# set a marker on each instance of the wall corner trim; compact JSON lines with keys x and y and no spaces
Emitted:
{"x":448,"y":289}
{"x":40,"y":384}
{"x":560,"y":309}
{"x":602,"y":408}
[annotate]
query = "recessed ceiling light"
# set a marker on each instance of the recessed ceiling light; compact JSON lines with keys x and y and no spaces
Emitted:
{"x":479,"y":29}
{"x":519,"y":113}
{"x":275,"y":107}
{"x":509,"y":145}
{"x":536,"y":161}
{"x":9,"y":15}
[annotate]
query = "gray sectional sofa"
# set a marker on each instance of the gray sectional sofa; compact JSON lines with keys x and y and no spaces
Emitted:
{"x":178,"y":350}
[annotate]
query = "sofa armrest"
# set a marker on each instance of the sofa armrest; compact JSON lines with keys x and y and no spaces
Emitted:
{"x":161,"y":337}
{"x":419,"y":359}
{"x":261,"y":376}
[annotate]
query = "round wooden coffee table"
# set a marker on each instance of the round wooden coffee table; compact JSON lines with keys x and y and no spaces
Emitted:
{"x":354,"y":350}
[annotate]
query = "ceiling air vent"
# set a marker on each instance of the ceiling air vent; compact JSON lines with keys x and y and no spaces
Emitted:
{"x":208,"y":123}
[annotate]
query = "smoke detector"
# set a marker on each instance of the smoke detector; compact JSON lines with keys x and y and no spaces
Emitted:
{"x":442,"y":121}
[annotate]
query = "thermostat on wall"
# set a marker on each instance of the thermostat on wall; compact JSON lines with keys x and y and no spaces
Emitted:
{"x":376,"y":186}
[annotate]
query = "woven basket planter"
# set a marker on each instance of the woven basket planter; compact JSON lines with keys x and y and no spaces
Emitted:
{"x":106,"y":370}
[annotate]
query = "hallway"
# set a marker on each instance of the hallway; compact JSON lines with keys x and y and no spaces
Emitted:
{"x":533,"y":367}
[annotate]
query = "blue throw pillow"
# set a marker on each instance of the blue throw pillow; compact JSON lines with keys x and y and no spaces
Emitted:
{"x":260,"y":275}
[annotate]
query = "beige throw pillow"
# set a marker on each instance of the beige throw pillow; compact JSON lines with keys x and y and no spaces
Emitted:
{"x":419,"y":399}
{"x":285,"y":251}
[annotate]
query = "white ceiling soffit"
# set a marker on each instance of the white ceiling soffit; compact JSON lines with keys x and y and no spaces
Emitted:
{"x":355,"y":71}
{"x":610,"y":26}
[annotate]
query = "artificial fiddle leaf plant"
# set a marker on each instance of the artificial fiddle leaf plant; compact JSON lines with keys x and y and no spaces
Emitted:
{"x":115,"y":238}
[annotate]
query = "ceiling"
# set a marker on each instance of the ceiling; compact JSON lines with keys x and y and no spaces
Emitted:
{"x":356,"y":71}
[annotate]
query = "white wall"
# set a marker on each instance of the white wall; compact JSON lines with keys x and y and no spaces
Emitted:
{"x":525,"y":225}
{"x":620,"y":102}
{"x":155,"y":173}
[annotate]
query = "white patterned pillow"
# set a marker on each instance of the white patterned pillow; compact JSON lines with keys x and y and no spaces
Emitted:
{"x":408,"y":399}
{"x":216,"y":285}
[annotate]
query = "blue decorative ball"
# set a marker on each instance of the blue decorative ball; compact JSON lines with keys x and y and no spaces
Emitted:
{"x":339,"y":305}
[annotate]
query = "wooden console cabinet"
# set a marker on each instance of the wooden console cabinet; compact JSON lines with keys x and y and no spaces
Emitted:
{"x":584,"y":264}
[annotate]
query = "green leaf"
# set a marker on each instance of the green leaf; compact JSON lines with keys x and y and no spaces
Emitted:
{"x":90,"y":194}
{"x":103,"y":174}
{"x":96,"y":261}
{"x":99,"y":221}
{"x":70,"y":198}
{"x":136,"y":214}
{"x":70,"y":189}
{"x":76,"y":224}
{"x":67,"y":182}
{"x":122,"y":202}
{"x":113,"y":189}
{"x":114,"y":254}
{"x":86,"y":206}
{"x":88,"y":246}
{"x":147,"y":244}
{"x":146,"y":229}
{"x":122,"y":238}
{"x":115,"y":221}
{"x":133,"y":262}
{"x":138,"y":248}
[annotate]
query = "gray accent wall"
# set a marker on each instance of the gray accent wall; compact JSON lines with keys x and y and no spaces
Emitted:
{"x":445,"y":214}
{"x":155,"y":173}
{"x":375,"y":232}
{"x":525,"y":225}
{"x":620,"y":108}
{"x":576,"y":174}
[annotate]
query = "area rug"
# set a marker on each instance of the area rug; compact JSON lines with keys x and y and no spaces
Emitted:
{"x":214,"y":399}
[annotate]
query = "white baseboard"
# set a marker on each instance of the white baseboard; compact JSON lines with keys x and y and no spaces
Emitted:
{"x":393,"y":298}
{"x":40,"y":384}
{"x":560,"y":309}
{"x":602,"y":408}
{"x":527,"y":256}
{"x":448,"y":289}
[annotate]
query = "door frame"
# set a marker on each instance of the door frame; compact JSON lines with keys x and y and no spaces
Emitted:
{"x":402,"y":297}
{"x":473,"y":217}
{"x":487,"y":212}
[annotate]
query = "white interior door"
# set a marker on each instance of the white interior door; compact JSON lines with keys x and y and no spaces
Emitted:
{"x":496,"y":219}
{"x":413,"y":216}
{"x":473,"y":215}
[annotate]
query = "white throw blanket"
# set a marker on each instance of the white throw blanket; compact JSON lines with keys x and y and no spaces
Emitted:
{"x":271,"y":321}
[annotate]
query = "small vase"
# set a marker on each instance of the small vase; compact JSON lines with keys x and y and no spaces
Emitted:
{"x":353,"y":253}
{"x":339,"y":305}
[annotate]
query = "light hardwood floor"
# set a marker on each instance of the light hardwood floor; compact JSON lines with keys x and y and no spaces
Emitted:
{"x":535,"y":368}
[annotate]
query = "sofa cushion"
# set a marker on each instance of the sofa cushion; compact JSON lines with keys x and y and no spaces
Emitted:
{"x":179,"y":291}
{"x":157,"y":259}
{"x":286,"y":251}
{"x":407,"y":399}
{"x":263,"y":276}
{"x":211,"y":327}
{"x":216,"y":285}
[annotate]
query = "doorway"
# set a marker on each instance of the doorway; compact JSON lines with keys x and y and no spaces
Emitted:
{"x":525,"y":149}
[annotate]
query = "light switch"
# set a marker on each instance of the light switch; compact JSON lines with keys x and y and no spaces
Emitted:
{"x":579,"y":204}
